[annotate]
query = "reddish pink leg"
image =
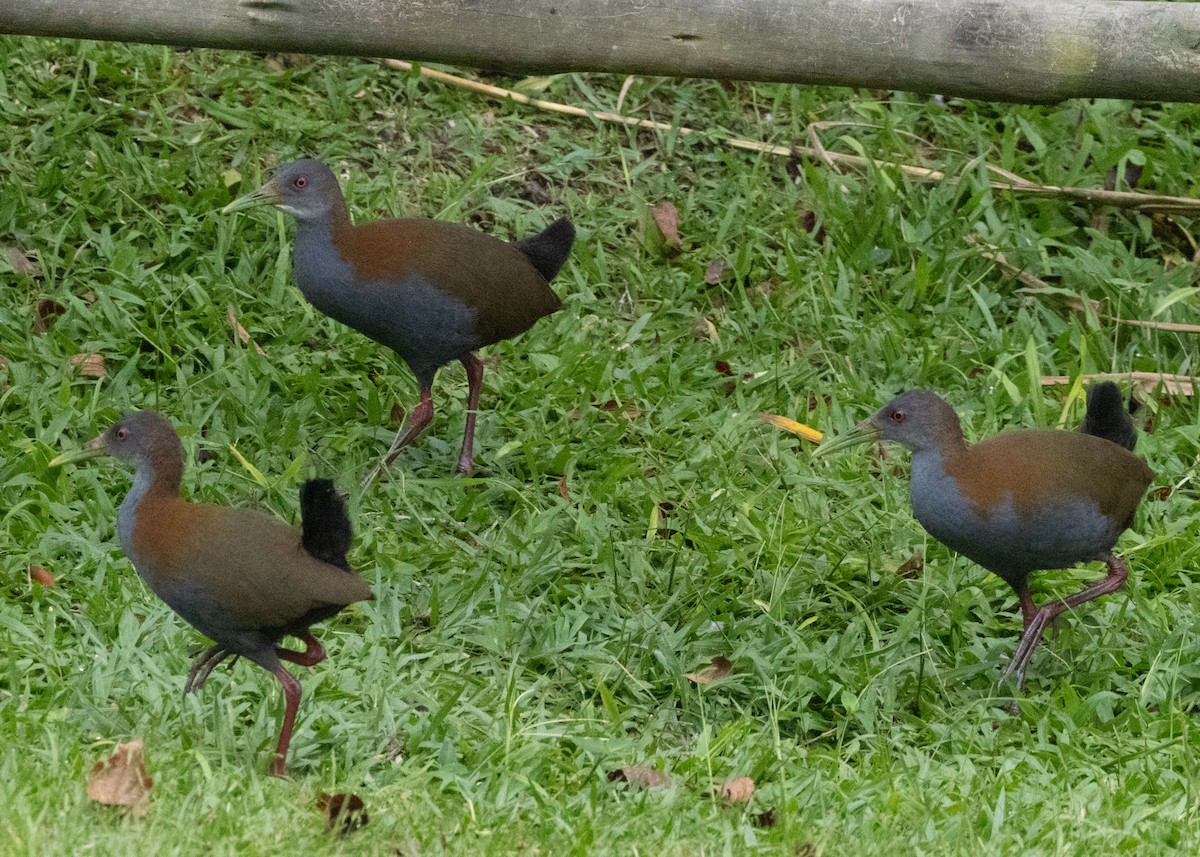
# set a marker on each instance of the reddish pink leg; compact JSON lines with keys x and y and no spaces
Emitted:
{"x":474,"y":367}
{"x":1028,"y":608}
{"x":312,"y":655}
{"x":1049,"y":612}
{"x":420,"y":417}
{"x":417,"y":421}
{"x":291,"y":696}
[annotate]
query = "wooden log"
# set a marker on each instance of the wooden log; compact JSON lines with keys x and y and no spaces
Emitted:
{"x":1015,"y":50}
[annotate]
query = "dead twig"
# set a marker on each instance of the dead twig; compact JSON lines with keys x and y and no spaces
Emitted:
{"x":1145,"y":382}
{"x":1134,"y":200}
{"x":1037,"y":287}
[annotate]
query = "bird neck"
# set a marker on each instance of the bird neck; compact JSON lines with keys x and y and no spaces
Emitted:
{"x":320,"y":271}
{"x":160,"y":476}
{"x":338,"y":215}
{"x":331,"y":223}
{"x":953,"y":446}
{"x":941,"y":452}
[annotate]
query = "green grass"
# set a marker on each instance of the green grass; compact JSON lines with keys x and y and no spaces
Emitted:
{"x":522,"y":645}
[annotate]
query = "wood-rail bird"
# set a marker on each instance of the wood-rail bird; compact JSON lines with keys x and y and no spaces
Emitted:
{"x":430,"y":290}
{"x":1020,"y":501}
{"x":242,"y":578}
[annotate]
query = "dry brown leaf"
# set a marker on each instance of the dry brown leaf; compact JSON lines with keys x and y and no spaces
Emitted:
{"x":719,"y":668}
{"x":810,"y":224}
{"x":716,"y":271}
{"x":47,"y":311}
{"x":121,"y":779}
{"x":241,"y":333}
{"x":766,"y":819}
{"x":612,"y":406}
{"x":19,"y":262}
{"x":640,"y":777}
{"x":563,"y":491}
{"x":45,"y":578}
{"x":737,"y":790}
{"x":666,"y":218}
{"x":1145,"y":382}
{"x":344,"y":813}
{"x":91,"y":365}
{"x":913,"y":566}
{"x":723,"y":368}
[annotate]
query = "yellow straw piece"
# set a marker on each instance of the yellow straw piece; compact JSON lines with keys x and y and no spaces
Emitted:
{"x":791,"y":425}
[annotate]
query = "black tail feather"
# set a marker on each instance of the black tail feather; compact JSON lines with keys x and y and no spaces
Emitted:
{"x":324,"y":523}
{"x":549,"y":249}
{"x":1107,"y":417}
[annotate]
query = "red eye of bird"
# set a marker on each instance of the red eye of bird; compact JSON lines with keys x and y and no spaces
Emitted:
{"x":300,"y":182}
{"x":122,"y":433}
{"x":899,"y":416}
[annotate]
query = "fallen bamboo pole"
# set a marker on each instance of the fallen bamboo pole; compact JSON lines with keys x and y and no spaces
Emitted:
{"x":1017,"y":50}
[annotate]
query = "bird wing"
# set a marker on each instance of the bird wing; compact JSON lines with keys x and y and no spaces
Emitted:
{"x":490,"y":276}
{"x":1052,"y":464}
{"x":251,"y":564}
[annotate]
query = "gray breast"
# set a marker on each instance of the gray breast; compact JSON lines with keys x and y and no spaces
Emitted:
{"x":1007,"y":542}
{"x":423,"y":324}
{"x":127,"y":512}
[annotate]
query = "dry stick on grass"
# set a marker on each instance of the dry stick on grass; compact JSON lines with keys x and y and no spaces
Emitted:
{"x":1144,"y":202}
{"x":1145,"y":382}
{"x":1037,"y":287}
{"x":1173,"y":326}
{"x":813,"y":128}
{"x":1148,"y":203}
